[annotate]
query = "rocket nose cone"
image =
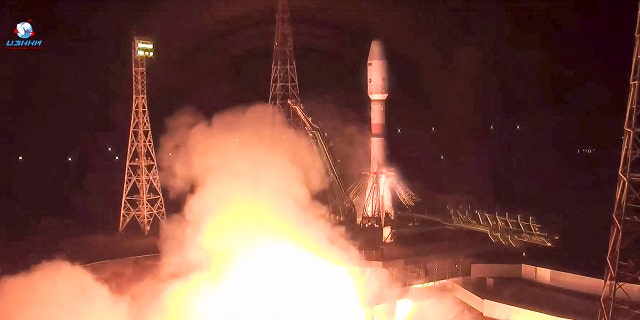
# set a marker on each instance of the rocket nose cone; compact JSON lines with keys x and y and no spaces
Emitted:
{"x":377,"y":51}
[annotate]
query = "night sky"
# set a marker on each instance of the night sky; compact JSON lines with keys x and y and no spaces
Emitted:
{"x":493,"y":99}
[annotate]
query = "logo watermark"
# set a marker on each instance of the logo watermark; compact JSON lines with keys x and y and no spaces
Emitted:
{"x":24,"y":31}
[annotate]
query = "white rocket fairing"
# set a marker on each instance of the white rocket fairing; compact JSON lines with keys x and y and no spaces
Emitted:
{"x":377,"y":89}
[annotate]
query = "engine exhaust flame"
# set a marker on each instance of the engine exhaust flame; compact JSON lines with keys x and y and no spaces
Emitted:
{"x":403,"y":309}
{"x":272,"y":281}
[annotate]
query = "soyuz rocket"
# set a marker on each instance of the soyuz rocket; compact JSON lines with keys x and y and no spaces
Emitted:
{"x":378,"y":202}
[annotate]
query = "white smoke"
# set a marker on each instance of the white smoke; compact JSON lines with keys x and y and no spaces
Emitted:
{"x":58,"y":290}
{"x":241,"y":158}
{"x":251,"y":241}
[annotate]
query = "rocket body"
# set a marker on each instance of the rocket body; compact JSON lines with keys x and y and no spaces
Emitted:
{"x":377,"y":90}
{"x":378,"y":198}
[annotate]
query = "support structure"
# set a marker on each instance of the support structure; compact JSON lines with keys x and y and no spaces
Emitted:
{"x":513,"y":230}
{"x":378,"y":188}
{"x":285,"y":96}
{"x":141,"y":196}
{"x":623,"y":258}
{"x":284,"y":76}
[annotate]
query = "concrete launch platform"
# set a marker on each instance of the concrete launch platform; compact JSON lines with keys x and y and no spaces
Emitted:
{"x":484,"y":291}
{"x":477,"y":291}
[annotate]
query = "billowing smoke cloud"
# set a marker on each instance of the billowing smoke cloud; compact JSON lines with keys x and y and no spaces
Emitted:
{"x":248,"y":171}
{"x":58,"y":290}
{"x":250,"y":243}
{"x":250,"y":233}
{"x":251,"y":180}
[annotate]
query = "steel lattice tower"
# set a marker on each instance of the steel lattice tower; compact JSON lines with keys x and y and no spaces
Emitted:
{"x":284,"y":90}
{"x":284,"y":96}
{"x":623,"y":263}
{"x":142,"y":195}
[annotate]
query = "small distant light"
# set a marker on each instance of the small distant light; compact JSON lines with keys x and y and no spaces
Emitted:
{"x":117,"y":157}
{"x":524,"y":254}
{"x":19,"y":157}
{"x":69,"y":159}
{"x":491,"y":128}
{"x":109,"y":148}
{"x":442,"y":157}
{"x":170,"y":153}
{"x":433,"y":129}
{"x":518,"y":127}
{"x":399,"y":130}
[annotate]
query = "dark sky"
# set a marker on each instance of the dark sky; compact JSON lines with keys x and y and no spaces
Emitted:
{"x":557,"y":69}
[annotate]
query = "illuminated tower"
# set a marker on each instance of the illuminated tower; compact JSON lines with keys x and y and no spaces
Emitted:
{"x":623,"y":259}
{"x":284,"y":96}
{"x":284,"y":76}
{"x":141,"y":195}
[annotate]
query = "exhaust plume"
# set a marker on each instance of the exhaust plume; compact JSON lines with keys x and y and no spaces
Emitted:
{"x":251,"y":241}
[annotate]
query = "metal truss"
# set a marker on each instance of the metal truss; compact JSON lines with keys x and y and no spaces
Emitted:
{"x":341,"y":207}
{"x":284,"y":76}
{"x":622,"y":273}
{"x":142,"y":195}
{"x":406,"y":196}
{"x":373,"y":198}
{"x":505,"y":229}
{"x":355,"y":189}
{"x":285,"y":96}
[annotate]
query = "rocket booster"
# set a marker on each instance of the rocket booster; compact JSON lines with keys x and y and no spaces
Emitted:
{"x":377,"y":89}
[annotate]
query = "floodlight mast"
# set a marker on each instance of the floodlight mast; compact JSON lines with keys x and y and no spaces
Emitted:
{"x":142,"y":194}
{"x":623,"y":261}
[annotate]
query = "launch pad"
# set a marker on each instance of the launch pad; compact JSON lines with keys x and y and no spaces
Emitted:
{"x":452,"y":277}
